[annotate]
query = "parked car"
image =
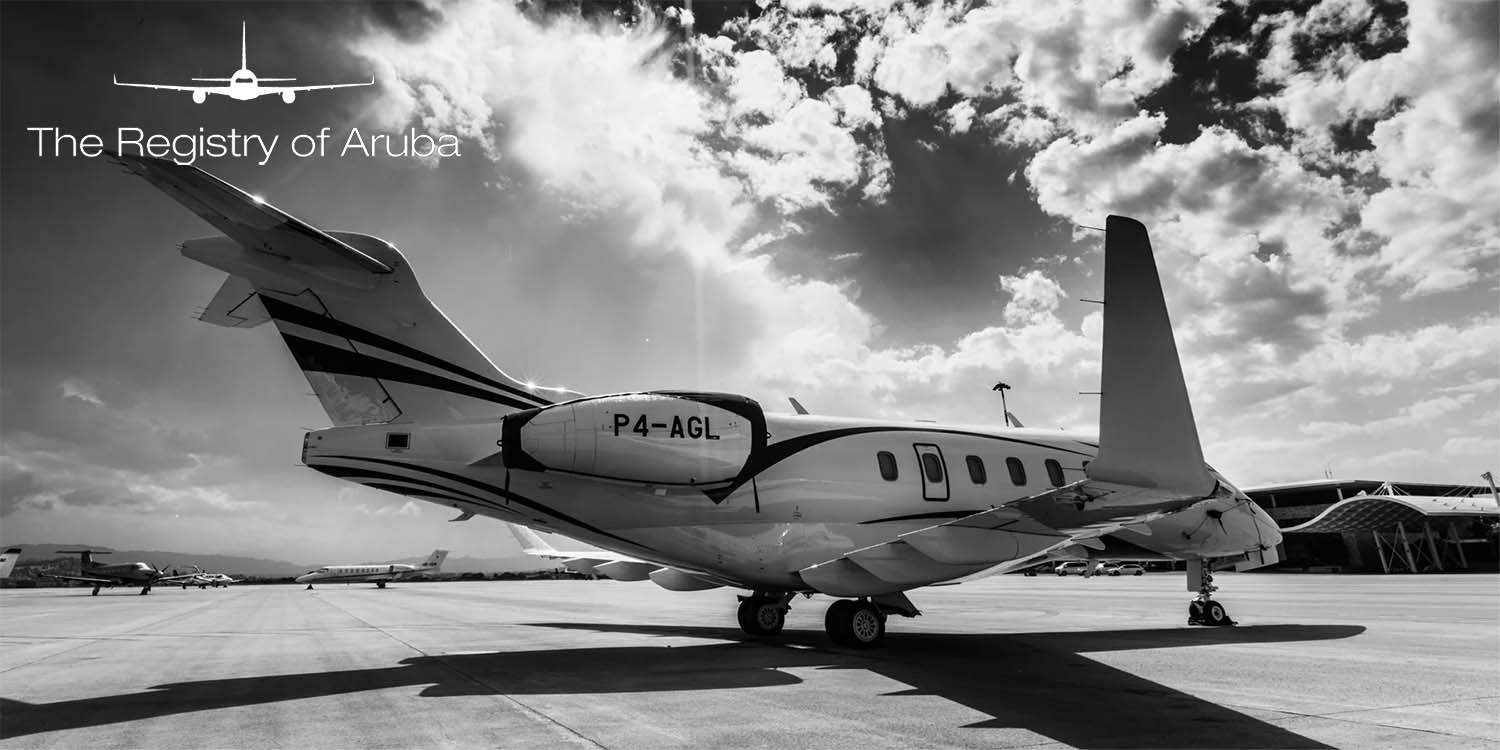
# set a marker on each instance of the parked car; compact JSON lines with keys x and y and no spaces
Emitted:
{"x":1072,"y":568}
{"x":1127,"y":569}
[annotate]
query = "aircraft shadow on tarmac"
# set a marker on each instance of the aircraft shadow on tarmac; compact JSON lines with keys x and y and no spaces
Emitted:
{"x":1036,"y":681}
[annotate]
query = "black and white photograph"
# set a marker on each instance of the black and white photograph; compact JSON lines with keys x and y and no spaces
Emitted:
{"x":642,"y":374}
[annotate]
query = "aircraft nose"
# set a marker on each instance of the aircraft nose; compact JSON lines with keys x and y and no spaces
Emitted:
{"x":303,"y":578}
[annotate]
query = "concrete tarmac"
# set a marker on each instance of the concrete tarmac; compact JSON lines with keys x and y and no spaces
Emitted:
{"x":1317,"y":661}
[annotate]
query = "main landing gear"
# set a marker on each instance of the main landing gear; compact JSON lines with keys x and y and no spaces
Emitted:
{"x":1203,"y":610}
{"x":96,"y":591}
{"x":380,"y":584}
{"x":763,"y":613}
{"x":854,"y":623}
{"x":145,"y":590}
{"x":857,"y":623}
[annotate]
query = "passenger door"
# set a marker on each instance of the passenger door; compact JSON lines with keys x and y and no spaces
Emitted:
{"x":933,"y":470}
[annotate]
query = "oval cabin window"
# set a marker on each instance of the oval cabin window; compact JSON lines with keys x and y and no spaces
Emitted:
{"x":1017,"y":471}
{"x":933,"y":466}
{"x":887,"y":463}
{"x":1054,"y":472}
{"x":976,"y":469}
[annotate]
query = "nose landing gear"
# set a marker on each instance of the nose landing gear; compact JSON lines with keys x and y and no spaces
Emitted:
{"x":1203,"y":610}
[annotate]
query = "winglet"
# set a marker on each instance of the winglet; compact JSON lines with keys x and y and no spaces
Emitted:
{"x":1147,"y":436}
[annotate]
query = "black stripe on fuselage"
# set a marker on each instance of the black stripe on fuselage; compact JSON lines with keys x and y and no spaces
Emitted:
{"x":290,"y":313}
{"x":924,"y":516}
{"x":356,"y":473}
{"x":487,"y":487}
{"x":317,"y":356}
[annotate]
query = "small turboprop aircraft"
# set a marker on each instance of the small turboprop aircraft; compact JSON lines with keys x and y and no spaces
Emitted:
{"x":243,"y":85}
{"x":104,"y":576}
{"x":379,"y":574}
{"x":708,"y":489}
{"x":207,"y":580}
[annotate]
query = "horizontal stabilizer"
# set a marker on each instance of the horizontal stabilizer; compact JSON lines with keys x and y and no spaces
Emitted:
{"x":248,"y":220}
{"x":236,"y":305}
{"x":1147,"y":436}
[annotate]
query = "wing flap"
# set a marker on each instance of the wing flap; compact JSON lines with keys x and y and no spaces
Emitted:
{"x":673,"y":579}
{"x":625,"y":570}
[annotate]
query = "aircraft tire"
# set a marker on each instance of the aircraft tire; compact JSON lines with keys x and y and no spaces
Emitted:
{"x":854,"y":624}
{"x":96,"y":591}
{"x":760,"y":616}
{"x":1215,"y":614}
{"x":380,"y":584}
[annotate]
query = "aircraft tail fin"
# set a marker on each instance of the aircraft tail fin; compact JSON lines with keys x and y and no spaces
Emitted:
{"x":1147,"y":436}
{"x":350,"y":310}
{"x":87,"y":555}
{"x":435,"y":560}
{"x":8,"y":560}
{"x":531,"y":542}
{"x":243,"y":56}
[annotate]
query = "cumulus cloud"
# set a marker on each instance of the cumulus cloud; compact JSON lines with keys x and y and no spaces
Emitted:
{"x":1433,"y":113}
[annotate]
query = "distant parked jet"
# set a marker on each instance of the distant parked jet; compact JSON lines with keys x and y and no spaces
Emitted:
{"x":243,"y":85}
{"x":378,"y":574}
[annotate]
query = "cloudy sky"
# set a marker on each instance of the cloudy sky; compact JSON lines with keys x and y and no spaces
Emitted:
{"x":875,"y":206}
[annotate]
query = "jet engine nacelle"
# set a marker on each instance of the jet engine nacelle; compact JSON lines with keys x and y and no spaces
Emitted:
{"x":289,"y":96}
{"x":663,"y":438}
{"x":200,"y":96}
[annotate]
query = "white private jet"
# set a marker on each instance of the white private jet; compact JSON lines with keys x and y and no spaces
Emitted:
{"x":707,"y":489}
{"x":243,"y":85}
{"x":378,"y":574}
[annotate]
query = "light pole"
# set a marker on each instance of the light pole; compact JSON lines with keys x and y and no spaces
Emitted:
{"x":1002,"y":388}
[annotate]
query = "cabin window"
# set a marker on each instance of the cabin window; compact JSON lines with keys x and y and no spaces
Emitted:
{"x":1054,"y":472}
{"x":887,"y":463}
{"x":976,"y":469}
{"x":1017,"y":471}
{"x":397,"y":440}
{"x":933,"y":466}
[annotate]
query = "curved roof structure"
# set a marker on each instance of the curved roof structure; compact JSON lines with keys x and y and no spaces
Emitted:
{"x":1370,"y":512}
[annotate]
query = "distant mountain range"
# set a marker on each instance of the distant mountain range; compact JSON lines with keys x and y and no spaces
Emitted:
{"x":259,"y":566}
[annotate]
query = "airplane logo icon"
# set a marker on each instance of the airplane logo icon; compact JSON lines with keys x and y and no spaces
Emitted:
{"x":244,"y":85}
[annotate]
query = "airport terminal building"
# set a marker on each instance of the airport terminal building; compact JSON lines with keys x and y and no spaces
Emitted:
{"x":1360,"y":525}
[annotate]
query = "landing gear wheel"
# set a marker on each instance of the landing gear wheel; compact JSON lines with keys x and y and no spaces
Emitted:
{"x":380,"y":584}
{"x":309,"y":587}
{"x":96,"y":591}
{"x":145,"y":590}
{"x":1204,"y":610}
{"x":855,"y":624}
{"x":761,"y":616}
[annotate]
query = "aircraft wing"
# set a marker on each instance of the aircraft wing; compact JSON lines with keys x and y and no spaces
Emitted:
{"x":613,"y":564}
{"x":253,"y":224}
{"x":279,"y":89}
{"x":168,"y":87}
{"x":84,"y":579}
